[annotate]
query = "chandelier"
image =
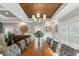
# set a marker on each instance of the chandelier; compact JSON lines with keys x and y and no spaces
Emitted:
{"x":36,"y":18}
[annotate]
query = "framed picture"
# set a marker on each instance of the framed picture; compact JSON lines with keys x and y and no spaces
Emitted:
{"x":48,"y":28}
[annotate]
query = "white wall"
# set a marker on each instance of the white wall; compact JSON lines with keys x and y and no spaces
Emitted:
{"x":39,"y":26}
{"x":9,"y":27}
{"x":14,"y":27}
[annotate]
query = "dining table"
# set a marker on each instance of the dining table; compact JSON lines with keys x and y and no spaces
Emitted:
{"x":35,"y":50}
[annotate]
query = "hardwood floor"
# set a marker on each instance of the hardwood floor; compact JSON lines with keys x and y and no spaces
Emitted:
{"x":35,"y":50}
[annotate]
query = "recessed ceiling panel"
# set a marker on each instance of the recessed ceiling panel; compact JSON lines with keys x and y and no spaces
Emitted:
{"x":43,"y":8}
{"x":6,"y":13}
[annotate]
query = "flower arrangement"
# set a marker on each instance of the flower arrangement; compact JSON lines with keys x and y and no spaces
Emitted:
{"x":38,"y":34}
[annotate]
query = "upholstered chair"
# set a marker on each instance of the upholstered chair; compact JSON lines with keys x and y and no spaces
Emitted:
{"x":12,"y":50}
{"x":22,"y":45}
{"x":55,"y":45}
{"x":49,"y":40}
{"x":28,"y":41}
{"x":67,"y":51}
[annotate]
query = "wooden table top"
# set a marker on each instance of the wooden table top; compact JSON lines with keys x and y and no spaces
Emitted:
{"x":21,"y":37}
{"x":40,"y":51}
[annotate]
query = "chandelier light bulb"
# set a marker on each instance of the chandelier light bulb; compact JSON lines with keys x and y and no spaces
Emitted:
{"x":33,"y":16}
{"x":36,"y":18}
{"x":44,"y":16}
{"x":7,"y":13}
{"x":38,"y":15}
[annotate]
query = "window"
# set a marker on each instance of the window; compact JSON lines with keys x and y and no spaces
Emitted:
{"x":63,"y":32}
{"x":74,"y":33}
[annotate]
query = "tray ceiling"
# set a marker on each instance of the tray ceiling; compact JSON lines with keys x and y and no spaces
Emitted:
{"x":43,"y":8}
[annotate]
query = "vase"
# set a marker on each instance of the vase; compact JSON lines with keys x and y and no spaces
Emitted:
{"x":38,"y":42}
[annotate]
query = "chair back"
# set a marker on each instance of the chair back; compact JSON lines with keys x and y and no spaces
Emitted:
{"x":12,"y":50}
{"x":67,"y":51}
{"x":28,"y":41}
{"x":55,"y":45}
{"x":22,"y":45}
{"x":49,"y":40}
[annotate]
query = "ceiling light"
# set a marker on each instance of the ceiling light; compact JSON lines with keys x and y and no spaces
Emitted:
{"x":20,"y":16}
{"x":7,"y":13}
{"x":38,"y":15}
{"x":33,"y":16}
{"x":44,"y":16}
{"x":38,"y":19}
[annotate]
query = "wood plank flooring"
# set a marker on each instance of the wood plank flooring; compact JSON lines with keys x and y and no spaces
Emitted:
{"x":38,"y":51}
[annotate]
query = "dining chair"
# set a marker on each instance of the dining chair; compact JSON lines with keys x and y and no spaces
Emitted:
{"x":12,"y":50}
{"x":28,"y":41}
{"x":22,"y":45}
{"x":49,"y":40}
{"x":55,"y":45}
{"x":68,"y":51}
